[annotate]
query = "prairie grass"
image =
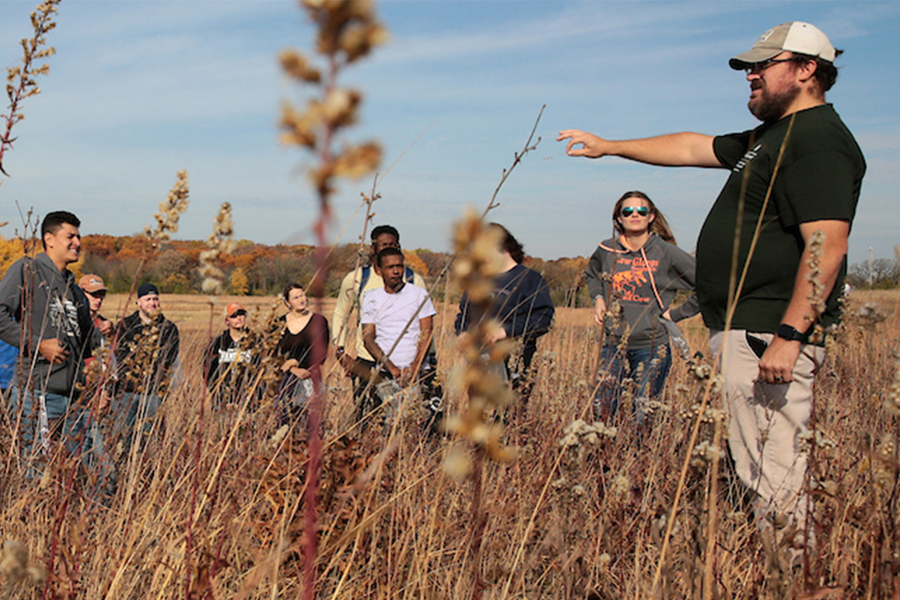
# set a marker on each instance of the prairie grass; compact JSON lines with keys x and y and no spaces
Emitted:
{"x":580,"y":519}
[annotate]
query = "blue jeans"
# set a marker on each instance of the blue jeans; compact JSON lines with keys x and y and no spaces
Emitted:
{"x":646,"y":367}
{"x":70,"y":424}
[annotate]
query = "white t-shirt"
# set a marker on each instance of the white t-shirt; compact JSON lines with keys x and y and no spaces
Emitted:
{"x":390,"y":313}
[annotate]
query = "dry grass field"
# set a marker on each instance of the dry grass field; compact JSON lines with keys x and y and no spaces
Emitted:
{"x":211,"y":503}
{"x":211,"y":506}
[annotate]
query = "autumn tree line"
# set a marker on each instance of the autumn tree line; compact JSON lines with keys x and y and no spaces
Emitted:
{"x":259,"y":270}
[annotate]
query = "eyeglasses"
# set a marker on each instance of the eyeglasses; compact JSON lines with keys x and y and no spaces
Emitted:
{"x":642,"y":211}
{"x":238,"y":313}
{"x":762,"y":66}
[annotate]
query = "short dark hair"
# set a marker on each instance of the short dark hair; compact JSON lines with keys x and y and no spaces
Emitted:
{"x":54,"y":221}
{"x":389,"y":251}
{"x":291,"y":287}
{"x":826,"y":73}
{"x":382,"y":229}
{"x":509,"y":243}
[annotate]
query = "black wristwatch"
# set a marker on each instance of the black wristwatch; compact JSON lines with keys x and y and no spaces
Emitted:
{"x":788,"y":333}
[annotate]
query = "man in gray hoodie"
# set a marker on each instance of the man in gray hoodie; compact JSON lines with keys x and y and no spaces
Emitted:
{"x":46,"y":315}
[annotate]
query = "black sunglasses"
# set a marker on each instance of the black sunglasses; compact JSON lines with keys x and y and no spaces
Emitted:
{"x":762,"y":66}
{"x":642,"y":211}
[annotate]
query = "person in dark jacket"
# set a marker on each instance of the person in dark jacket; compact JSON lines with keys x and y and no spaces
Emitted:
{"x":146,"y":351}
{"x":521,"y":304}
{"x":46,"y":315}
{"x":635,"y":276}
{"x":228,"y":356}
{"x":95,"y":291}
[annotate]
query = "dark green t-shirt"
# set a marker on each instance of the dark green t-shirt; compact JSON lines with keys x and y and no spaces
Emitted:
{"x":819,"y":178}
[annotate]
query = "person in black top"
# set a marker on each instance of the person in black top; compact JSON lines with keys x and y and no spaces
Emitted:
{"x":521,"y":304}
{"x":228,"y":356}
{"x":146,"y":352}
{"x":303,"y":348}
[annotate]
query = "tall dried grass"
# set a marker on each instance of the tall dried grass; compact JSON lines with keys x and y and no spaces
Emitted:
{"x":212,"y":504}
{"x":578,"y":514}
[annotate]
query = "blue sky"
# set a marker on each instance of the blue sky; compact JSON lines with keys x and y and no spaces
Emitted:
{"x":140,"y":89}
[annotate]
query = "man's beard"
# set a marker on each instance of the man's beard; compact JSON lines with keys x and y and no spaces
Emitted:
{"x":770,"y":107}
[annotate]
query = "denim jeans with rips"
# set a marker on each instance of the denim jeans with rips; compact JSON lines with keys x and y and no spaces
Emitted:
{"x":648,"y":368}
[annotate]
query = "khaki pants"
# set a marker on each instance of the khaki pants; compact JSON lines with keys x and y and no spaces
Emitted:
{"x":765,"y":420}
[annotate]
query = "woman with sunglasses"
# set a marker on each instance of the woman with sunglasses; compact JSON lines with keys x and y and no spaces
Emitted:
{"x":632,"y":278}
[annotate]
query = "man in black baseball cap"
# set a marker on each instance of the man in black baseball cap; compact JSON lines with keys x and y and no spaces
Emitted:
{"x":146,"y":350}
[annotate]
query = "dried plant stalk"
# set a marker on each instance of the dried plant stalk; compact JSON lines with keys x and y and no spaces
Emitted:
{"x":20,"y":80}
{"x":347,"y":30}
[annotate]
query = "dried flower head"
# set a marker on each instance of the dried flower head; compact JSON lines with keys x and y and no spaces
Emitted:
{"x":703,"y":453}
{"x":347,"y":31}
{"x":476,"y":265}
{"x":170,"y":211}
{"x":16,"y":568}
{"x":220,"y":242}
{"x":807,"y":438}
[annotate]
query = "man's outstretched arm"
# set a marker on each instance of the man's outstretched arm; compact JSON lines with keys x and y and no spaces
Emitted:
{"x":673,"y":150}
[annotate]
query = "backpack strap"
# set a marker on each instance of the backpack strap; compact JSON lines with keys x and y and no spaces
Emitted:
{"x":409,"y":276}
{"x":366,"y":273}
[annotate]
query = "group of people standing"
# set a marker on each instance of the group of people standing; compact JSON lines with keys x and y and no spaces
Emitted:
{"x":791,"y":195}
{"x":56,"y":327}
{"x":393,"y":348}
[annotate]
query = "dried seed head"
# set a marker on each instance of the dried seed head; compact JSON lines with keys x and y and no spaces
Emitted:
{"x":171,"y":210}
{"x":458,"y":465}
{"x":296,"y":65}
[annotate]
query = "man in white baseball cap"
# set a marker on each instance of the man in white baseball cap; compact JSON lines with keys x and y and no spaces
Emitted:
{"x":797,"y":37}
{"x":776,"y":211}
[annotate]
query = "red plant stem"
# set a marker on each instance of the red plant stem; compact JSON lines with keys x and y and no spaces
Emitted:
{"x":314,"y":440}
{"x":319,"y":352}
{"x":5,"y":142}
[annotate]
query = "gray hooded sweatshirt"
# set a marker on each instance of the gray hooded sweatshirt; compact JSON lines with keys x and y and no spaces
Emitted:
{"x":644,"y":283}
{"x":40,"y":302}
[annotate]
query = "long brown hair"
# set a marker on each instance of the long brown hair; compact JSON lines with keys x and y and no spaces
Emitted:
{"x":659,"y":225}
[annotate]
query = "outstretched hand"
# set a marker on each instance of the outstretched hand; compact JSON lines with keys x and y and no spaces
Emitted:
{"x":592,"y":146}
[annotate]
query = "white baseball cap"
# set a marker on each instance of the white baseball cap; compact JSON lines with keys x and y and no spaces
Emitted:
{"x":795,"y":36}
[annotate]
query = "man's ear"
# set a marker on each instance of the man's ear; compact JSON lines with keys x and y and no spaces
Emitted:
{"x":807,"y":70}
